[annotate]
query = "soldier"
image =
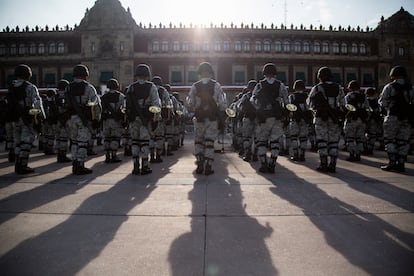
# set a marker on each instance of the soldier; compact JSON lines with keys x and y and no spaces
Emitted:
{"x":248,"y":114}
{"x":6,"y":112}
{"x":113,"y":109}
{"x":140,"y":96}
{"x":397,"y":100}
{"x":62,"y":123}
{"x":300,"y":119}
{"x":50,"y":124}
{"x":84,"y":106}
{"x":182,"y":114}
{"x":373,"y":131}
{"x":26,"y":102}
{"x":326,"y":99}
{"x":269,"y":97}
{"x":355,"y":120}
{"x":208,"y":101}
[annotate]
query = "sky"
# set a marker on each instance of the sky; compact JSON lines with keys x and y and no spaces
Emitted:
{"x":352,"y":13}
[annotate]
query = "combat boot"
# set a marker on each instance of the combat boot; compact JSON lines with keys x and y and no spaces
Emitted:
{"x":323,"y":165}
{"x":136,"y":170}
{"x":157,"y":158}
{"x":91,"y":152}
{"x":11,"y":156}
{"x":295,"y":155}
{"x":351,"y":157}
{"x":208,"y":170}
{"x":81,"y":170}
{"x":332,"y":165}
{"x":19,"y":168}
{"x":75,"y":165}
{"x":62,"y":158}
{"x":200,"y":164}
{"x":392,"y":164}
{"x":302,"y":155}
{"x":271,"y":165}
{"x":263,"y":168}
{"x":169,"y":150}
{"x":127,"y":150}
{"x":107,"y":157}
{"x":247,"y":156}
{"x":114,"y":158}
{"x":145,"y":168}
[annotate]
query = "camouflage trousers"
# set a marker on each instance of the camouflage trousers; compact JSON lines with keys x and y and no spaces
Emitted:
{"x":248,"y":133}
{"x":50,"y":131}
{"x":327,"y":135}
{"x":170,"y":132}
{"x":269,"y":132}
{"x":140,"y":136}
{"x":298,"y":131}
{"x":354,"y":131}
{"x":396,"y":135}
{"x":62,"y":137}
{"x":373,"y":133}
{"x":158,"y":136}
{"x":8,"y":127}
{"x":24,"y":136}
{"x":205,"y":133}
{"x":112,"y":133}
{"x":80,"y":135}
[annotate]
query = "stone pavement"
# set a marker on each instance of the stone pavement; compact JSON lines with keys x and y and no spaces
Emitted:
{"x":358,"y":221}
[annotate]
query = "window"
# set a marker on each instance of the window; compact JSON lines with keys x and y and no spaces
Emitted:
{"x":316,"y":47}
{"x":298,"y":47}
{"x":306,"y":47}
{"x":335,"y":48}
{"x":344,"y":48}
{"x":22,"y":49}
{"x":192,"y":76}
{"x":32,"y":49}
{"x":401,"y":51}
{"x":2,"y":50}
{"x":52,"y":48}
{"x":226,"y":46}
{"x":354,"y":48}
{"x":281,"y":76}
{"x":164,"y":46}
{"x":13,"y":49}
{"x":278,"y":46}
{"x":367,"y":79}
{"x":246,"y":46}
{"x":50,"y":79}
{"x":176,"y":46}
{"x":41,"y":49}
{"x":239,"y":77}
{"x":237,"y":46}
{"x":258,"y":46}
{"x":206,"y":46}
{"x":301,"y":76}
{"x":325,"y":48}
{"x":362,"y":49}
{"x":68,"y":77}
{"x":217,"y":46}
{"x":336,"y":77}
{"x":266,"y":46}
{"x":105,"y":76}
{"x":185,"y":46}
{"x":61,"y":48}
{"x":155,"y":46}
{"x":286,"y":46}
{"x":176,"y":77}
{"x":196,"y":46}
{"x":350,"y":77}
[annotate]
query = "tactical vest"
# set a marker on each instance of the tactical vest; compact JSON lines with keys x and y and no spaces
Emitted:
{"x":375,"y":109}
{"x":399,"y":103}
{"x":110,"y":110}
{"x":17,"y":99}
{"x":208,"y":108}
{"x":357,"y":99}
{"x":299,"y":99}
{"x":74,"y":93}
{"x":269,"y":100}
{"x":246,"y":107}
{"x":322,"y":102}
{"x":136,"y":98}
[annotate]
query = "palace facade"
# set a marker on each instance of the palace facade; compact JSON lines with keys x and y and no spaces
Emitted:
{"x":111,"y":44}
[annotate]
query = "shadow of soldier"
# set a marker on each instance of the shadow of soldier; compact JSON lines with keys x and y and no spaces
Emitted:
{"x":224,"y":239}
{"x":365,"y":239}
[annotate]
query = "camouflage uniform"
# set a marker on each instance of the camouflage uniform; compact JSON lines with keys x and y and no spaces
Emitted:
{"x":113,"y":108}
{"x":208,"y":101}
{"x":269,"y":97}
{"x":6,"y":123}
{"x":397,"y":100}
{"x":355,"y":122}
{"x":327,"y":99}
{"x":62,"y":137}
{"x":139,"y":97}
{"x":373,"y":131}
{"x":85,"y":108}
{"x":50,"y":127}
{"x":24,"y":97}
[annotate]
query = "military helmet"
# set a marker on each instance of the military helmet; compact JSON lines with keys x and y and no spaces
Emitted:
{"x":62,"y":84}
{"x":112,"y":84}
{"x":167,"y":87}
{"x":205,"y":67}
{"x":370,"y":91}
{"x":23,"y":71}
{"x":157,"y":80}
{"x":299,"y":85}
{"x":353,"y":85}
{"x":142,"y":70}
{"x":80,"y":70}
{"x":324,"y":73}
{"x":269,"y":69}
{"x":251,"y":84}
{"x":51,"y":92}
{"x":398,"y":71}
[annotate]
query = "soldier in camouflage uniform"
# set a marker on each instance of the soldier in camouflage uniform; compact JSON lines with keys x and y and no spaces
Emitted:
{"x":373,"y":132}
{"x":208,"y":101}
{"x":6,"y":112}
{"x":26,"y":102}
{"x":62,"y":123}
{"x":50,"y":127}
{"x":300,"y":119}
{"x":355,"y":121}
{"x":397,"y":99}
{"x":140,"y":96}
{"x":327,"y":100}
{"x":269,"y":97}
{"x":113,"y":109}
{"x":84,"y":106}
{"x":248,"y":114}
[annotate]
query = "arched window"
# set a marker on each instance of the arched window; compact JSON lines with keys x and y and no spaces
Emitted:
{"x":316,"y":47}
{"x":344,"y":48}
{"x":164,"y":46}
{"x":206,"y":46}
{"x":278,"y":46}
{"x":176,"y":46}
{"x":362,"y":49}
{"x":298,"y":47}
{"x":258,"y":46}
{"x":13,"y":49}
{"x":354,"y":48}
{"x":41,"y":49}
{"x":52,"y":48}
{"x":61,"y":48}
{"x":266,"y":46}
{"x":185,"y":46}
{"x":237,"y":46}
{"x":155,"y":46}
{"x":325,"y":47}
{"x":2,"y":50}
{"x":306,"y":47}
{"x":226,"y":45}
{"x":335,"y":48}
{"x":246,"y":46}
{"x":32,"y":49}
{"x":286,"y":46}
{"x":22,"y":49}
{"x":217,"y":46}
